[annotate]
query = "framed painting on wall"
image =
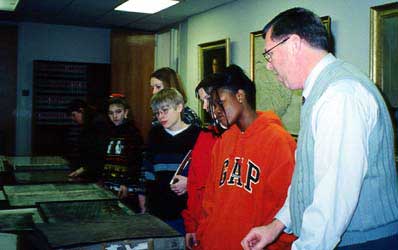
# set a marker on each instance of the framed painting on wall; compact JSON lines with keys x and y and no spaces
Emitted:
{"x":383,"y":56}
{"x":327,"y":22}
{"x":271,"y":94}
{"x":213,"y":57}
{"x":384,"y":50}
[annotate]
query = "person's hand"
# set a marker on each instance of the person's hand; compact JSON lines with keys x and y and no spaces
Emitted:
{"x":190,"y":240}
{"x":77,"y":172}
{"x":180,"y":185}
{"x":141,"y":201}
{"x":123,"y":192}
{"x":260,"y":237}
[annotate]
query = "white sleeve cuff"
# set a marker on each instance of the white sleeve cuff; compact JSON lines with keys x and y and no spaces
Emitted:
{"x":284,"y":216}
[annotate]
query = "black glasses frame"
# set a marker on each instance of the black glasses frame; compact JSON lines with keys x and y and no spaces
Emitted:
{"x":266,"y":53}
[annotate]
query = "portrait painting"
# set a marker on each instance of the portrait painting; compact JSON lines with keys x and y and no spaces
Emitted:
{"x":213,"y":57}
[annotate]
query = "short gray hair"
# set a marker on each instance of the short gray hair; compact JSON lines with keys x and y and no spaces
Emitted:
{"x":167,"y":96}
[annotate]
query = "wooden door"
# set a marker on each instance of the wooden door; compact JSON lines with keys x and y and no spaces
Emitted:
{"x":132,"y":62}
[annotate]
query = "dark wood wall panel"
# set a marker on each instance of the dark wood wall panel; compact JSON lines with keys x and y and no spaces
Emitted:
{"x":8,"y":83}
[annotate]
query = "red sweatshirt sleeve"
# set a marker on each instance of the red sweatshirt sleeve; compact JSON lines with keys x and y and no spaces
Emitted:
{"x":278,"y":181}
{"x":280,"y":170}
{"x":208,"y":196}
{"x":197,"y":178}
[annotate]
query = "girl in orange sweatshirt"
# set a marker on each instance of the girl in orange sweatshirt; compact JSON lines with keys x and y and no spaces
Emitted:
{"x":251,"y":168}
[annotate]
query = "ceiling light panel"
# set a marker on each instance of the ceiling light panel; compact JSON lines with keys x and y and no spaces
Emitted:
{"x":146,"y":6}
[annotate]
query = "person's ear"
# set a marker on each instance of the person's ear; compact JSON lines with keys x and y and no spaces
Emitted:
{"x":240,"y":96}
{"x":295,"y":44}
{"x":179,"y":108}
{"x":126,"y":113}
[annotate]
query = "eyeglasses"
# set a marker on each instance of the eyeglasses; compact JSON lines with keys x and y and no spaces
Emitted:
{"x":267,"y":55}
{"x":162,"y":111}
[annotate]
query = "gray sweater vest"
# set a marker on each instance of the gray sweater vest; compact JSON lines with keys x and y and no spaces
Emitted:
{"x":376,"y":215}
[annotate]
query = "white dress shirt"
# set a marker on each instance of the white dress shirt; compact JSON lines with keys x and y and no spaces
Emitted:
{"x":341,"y":122}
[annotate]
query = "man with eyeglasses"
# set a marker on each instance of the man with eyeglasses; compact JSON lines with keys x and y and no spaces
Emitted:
{"x":267,"y":54}
{"x":344,"y":190}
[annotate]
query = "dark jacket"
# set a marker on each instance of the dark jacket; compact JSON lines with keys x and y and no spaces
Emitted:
{"x":164,"y":155}
{"x":123,"y":156}
{"x":91,"y":147}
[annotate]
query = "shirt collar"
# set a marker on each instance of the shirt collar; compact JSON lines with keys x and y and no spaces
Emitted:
{"x":309,"y":83}
{"x":175,"y":132}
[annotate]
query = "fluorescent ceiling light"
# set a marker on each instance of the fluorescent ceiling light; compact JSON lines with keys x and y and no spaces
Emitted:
{"x":8,"y":5}
{"x":145,"y":6}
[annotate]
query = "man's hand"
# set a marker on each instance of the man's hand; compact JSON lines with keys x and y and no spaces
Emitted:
{"x":77,"y":172}
{"x":260,"y":237}
{"x":123,"y":192}
{"x":190,"y":240}
{"x":180,"y":186}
